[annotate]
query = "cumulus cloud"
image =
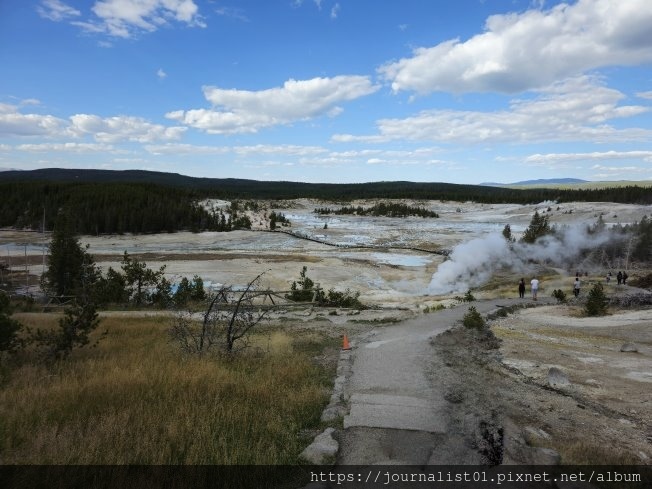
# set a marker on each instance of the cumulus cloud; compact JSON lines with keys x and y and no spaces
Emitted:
{"x":161,"y":74}
{"x":529,"y":50}
{"x":14,"y":123}
{"x":574,"y":109}
{"x":122,"y":128}
{"x":242,"y":111}
{"x":125,"y":18}
{"x":335,"y":11}
{"x":104,"y":130}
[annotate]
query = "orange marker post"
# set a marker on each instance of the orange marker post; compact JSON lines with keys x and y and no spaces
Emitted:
{"x":345,"y":343}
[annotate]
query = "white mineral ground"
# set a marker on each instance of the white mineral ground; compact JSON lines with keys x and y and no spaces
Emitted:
{"x":611,"y":388}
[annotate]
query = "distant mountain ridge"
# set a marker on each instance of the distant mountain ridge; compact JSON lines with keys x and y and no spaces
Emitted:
{"x":540,"y":181}
{"x":244,"y":188}
{"x":178,"y":180}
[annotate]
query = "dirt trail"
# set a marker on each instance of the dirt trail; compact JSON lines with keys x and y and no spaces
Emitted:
{"x":398,"y":410}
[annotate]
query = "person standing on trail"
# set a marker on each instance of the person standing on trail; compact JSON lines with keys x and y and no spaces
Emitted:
{"x":521,"y":288}
{"x":576,"y":287}
{"x":534,"y":284}
{"x":619,"y":277}
{"x":625,"y":277}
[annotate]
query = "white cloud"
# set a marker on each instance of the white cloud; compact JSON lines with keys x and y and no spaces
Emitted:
{"x":241,"y":111}
{"x":646,"y":95}
{"x":30,"y":101}
{"x":125,"y":18}
{"x":56,"y":10}
{"x":161,"y":74}
{"x":232,"y":13}
{"x":635,"y":169}
{"x":105,"y":130}
{"x":335,"y":11}
{"x":66,"y":148}
{"x":419,"y":156}
{"x":314,"y":156}
{"x":538,"y":159}
{"x":259,"y":149}
{"x":529,"y":50}
{"x":122,"y":128}
{"x":626,"y":172}
{"x":575,"y":109}
{"x":14,"y":123}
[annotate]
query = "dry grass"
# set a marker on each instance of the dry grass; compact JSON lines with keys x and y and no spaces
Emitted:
{"x":583,"y":452}
{"x":135,"y":400}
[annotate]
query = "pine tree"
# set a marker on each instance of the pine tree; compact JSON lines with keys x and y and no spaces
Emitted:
{"x":70,"y":267}
{"x":596,"y":304}
{"x":507,"y":233}
{"x":9,"y":328}
{"x":538,"y":227}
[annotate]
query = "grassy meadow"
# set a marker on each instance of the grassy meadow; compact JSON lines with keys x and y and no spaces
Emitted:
{"x":134,"y":399}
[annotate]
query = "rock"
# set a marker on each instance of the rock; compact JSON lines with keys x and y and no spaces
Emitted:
{"x":629,"y":348}
{"x":322,"y":448}
{"x":557,"y":378}
{"x":331,"y":413}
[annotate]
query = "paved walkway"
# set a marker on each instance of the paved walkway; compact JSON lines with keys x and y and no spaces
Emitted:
{"x":396,"y":406}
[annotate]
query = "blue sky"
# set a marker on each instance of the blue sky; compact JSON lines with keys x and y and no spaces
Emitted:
{"x":461,"y":91}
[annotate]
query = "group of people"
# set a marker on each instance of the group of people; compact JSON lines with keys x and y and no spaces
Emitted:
{"x":534,"y":284}
{"x":622,"y":278}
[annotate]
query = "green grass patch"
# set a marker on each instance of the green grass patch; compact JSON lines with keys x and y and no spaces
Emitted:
{"x":135,"y":400}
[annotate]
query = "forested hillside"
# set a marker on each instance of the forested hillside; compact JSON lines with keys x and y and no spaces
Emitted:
{"x":97,"y":208}
{"x":230,"y":188}
{"x":104,"y":201}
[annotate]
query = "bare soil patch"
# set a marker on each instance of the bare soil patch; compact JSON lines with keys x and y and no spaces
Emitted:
{"x":603,"y":415}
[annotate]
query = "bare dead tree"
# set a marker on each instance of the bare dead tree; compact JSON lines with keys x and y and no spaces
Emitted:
{"x":226,"y":324}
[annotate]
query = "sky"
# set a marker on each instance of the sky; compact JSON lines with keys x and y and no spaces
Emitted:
{"x":460,"y":91}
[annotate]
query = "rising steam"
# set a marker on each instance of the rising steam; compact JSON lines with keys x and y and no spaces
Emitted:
{"x":472,"y":263}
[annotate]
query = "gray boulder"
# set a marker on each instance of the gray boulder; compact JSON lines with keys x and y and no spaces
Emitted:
{"x":323,"y":448}
{"x":557,"y":378}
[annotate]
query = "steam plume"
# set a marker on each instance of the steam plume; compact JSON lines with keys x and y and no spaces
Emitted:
{"x":472,"y":263}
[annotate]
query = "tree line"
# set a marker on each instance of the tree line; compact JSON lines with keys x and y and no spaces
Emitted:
{"x":230,"y":188}
{"x":630,"y":242}
{"x":385,"y":209}
{"x":113,"y":208}
{"x":119,"y":207}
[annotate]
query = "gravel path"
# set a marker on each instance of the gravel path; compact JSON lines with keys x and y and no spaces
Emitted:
{"x":397,"y":405}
